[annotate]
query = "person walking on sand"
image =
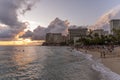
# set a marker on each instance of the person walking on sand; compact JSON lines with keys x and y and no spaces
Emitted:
{"x":102,"y":54}
{"x":85,"y":51}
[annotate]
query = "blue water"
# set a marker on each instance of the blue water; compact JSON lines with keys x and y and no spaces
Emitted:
{"x":46,"y":63}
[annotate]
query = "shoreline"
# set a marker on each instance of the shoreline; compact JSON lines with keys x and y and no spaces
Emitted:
{"x":111,"y":62}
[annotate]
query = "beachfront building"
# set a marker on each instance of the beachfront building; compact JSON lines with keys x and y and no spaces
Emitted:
{"x":99,"y":32}
{"x":114,"y":25}
{"x":77,"y":33}
{"x":55,"y":38}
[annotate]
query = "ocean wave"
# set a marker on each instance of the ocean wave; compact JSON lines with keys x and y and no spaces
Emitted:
{"x":105,"y":72}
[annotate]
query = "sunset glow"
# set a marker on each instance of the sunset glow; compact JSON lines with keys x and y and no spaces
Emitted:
{"x":21,"y":42}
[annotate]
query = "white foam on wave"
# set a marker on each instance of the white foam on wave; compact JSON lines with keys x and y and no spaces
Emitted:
{"x":106,"y":73}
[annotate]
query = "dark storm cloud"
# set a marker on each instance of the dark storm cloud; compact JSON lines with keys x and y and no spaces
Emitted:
{"x":9,"y":10}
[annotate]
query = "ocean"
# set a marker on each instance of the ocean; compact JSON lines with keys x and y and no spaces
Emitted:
{"x":50,"y":63}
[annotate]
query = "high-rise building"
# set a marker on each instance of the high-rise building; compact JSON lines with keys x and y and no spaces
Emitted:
{"x":77,"y":32}
{"x":114,"y":25}
{"x":99,"y":32}
{"x":55,"y":38}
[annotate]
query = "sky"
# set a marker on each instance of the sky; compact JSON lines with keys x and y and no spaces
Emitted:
{"x":18,"y":16}
{"x":77,"y":12}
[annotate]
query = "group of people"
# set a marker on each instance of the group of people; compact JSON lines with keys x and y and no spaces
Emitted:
{"x":103,"y":49}
{"x":106,"y":50}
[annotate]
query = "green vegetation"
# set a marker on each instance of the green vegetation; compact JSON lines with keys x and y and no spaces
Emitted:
{"x":97,"y":39}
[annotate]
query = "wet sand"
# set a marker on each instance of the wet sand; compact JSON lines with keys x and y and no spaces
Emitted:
{"x":111,"y":61}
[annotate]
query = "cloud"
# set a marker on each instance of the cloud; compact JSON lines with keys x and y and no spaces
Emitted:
{"x":56,"y":26}
{"x":28,"y":34}
{"x":39,"y":33}
{"x":9,"y":12}
{"x":103,"y":21}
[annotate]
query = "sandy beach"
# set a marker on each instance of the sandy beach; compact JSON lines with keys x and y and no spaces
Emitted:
{"x":111,"y":61}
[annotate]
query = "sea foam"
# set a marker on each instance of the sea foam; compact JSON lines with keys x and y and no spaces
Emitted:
{"x":105,"y":73}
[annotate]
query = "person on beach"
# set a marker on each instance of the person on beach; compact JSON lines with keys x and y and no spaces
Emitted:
{"x":85,"y":51}
{"x":102,"y":54}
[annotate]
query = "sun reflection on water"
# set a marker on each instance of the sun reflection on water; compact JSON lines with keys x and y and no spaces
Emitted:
{"x":23,"y":57}
{"x":21,"y":42}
